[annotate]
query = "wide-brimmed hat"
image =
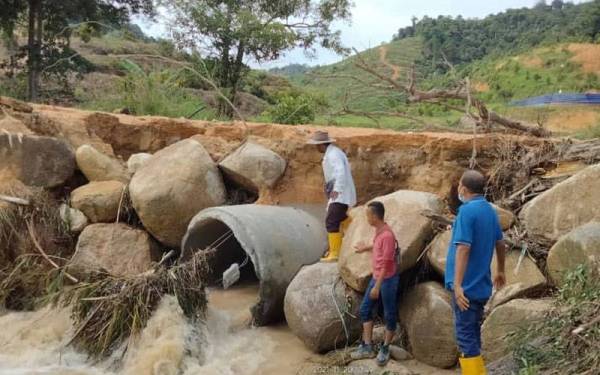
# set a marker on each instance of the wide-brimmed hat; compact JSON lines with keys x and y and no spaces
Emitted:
{"x":319,"y":138}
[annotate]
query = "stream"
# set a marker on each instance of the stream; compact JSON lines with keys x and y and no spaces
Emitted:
{"x":35,"y":343}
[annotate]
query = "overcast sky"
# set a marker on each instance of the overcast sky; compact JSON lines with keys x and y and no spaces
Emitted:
{"x":376,"y":21}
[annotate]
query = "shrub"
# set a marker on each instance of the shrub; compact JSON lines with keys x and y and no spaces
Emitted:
{"x":156,"y":93}
{"x":294,"y":109}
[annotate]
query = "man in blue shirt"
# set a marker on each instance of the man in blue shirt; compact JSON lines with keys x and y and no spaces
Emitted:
{"x":475,"y":234}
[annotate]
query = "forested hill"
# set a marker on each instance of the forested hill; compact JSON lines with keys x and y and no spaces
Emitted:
{"x":459,"y":41}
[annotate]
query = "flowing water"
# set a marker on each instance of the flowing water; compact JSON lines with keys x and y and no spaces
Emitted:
{"x":35,"y":343}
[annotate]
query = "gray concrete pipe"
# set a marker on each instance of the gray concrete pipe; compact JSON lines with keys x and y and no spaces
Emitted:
{"x":278,"y":240}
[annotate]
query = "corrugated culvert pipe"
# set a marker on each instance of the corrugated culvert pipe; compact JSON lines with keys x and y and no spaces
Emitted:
{"x":277,"y":241}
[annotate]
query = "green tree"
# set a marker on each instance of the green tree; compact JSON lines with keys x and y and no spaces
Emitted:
{"x":231,"y":31}
{"x":459,"y":41}
{"x":49,"y":29}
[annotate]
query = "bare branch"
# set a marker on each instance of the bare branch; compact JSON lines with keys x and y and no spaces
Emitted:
{"x":438,"y":96}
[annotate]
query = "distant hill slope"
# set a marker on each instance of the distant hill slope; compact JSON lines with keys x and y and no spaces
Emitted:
{"x":565,"y":68}
{"x":341,"y":82}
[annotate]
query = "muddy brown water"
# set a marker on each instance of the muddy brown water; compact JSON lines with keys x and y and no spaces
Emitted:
{"x":33,"y":343}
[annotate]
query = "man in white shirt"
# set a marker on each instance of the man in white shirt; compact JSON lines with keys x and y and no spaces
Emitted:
{"x":339,"y":189}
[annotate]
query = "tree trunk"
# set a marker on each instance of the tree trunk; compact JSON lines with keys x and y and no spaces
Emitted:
{"x":234,"y":78}
{"x":33,"y":48}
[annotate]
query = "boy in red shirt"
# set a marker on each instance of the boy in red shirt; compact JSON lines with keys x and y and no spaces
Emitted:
{"x":383,"y":284}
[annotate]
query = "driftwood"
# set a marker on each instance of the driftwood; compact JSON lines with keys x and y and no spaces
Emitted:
{"x":437,"y":218}
{"x":15,"y":200}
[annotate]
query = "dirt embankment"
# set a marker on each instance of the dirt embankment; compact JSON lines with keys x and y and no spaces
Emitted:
{"x":382,"y":161}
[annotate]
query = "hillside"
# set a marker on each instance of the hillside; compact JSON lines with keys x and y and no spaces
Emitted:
{"x":341,"y":82}
{"x":141,"y":76}
{"x":498,"y":80}
{"x":571,"y":67}
{"x":567,"y":67}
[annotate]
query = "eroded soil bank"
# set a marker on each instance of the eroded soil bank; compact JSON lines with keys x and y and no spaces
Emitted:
{"x":382,"y":161}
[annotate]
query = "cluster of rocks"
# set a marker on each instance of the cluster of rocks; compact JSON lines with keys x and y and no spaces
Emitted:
{"x":169,"y":186}
{"x":165,"y":189}
{"x":567,"y":216}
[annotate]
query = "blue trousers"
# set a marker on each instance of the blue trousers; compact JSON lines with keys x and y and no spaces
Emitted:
{"x":467,"y":327}
{"x":388,"y":295}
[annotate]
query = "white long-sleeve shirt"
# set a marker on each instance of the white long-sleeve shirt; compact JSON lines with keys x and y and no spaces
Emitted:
{"x":337,"y":168}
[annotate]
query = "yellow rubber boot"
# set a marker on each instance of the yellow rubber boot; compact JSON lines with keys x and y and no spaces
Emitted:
{"x":472,"y":366}
{"x":345,"y":224}
{"x":335,"y":244}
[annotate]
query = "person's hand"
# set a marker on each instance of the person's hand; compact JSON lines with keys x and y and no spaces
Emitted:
{"x":374,"y":294}
{"x":499,"y":280}
{"x":334,"y":195}
{"x":360,"y":247}
{"x":461,"y":300}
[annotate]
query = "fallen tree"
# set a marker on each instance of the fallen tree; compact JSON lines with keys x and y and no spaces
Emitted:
{"x":474,"y":108}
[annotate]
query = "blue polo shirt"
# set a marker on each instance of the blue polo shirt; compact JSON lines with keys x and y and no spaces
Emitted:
{"x":477,"y":226}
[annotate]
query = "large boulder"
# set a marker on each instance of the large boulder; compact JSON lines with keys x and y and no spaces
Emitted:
{"x":438,"y":252}
{"x":311,"y":312}
{"x":506,"y":319}
{"x":520,"y":282}
{"x":36,"y":161}
{"x":403,"y":213}
{"x":97,"y":166}
{"x":136,"y":161}
{"x":116,"y":248}
{"x":178,"y":182}
{"x":426,"y":315}
{"x":99,"y":201}
{"x":580,"y":246}
{"x":568,"y":205}
{"x":438,"y":248}
{"x":253,"y":167}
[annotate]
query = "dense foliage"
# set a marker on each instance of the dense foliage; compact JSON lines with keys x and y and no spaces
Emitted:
{"x":233,"y":31}
{"x":291,"y":69}
{"x":294,"y":109}
{"x":457,"y":40}
{"x":50,"y":24}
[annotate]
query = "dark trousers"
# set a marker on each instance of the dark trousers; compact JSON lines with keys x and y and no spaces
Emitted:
{"x":336,"y":213}
{"x":467,"y":327}
{"x":388,"y":295}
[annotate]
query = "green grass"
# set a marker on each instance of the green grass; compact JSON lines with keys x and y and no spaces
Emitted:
{"x":541,"y":71}
{"x":383,"y":122}
{"x":549,"y":346}
{"x":335,"y":82}
{"x":154,"y":93}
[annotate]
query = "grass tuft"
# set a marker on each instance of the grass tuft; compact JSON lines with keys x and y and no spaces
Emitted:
{"x":568,"y":340}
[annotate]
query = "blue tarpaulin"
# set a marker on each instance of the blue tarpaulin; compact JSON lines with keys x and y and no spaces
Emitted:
{"x":558,"y":99}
